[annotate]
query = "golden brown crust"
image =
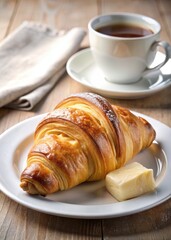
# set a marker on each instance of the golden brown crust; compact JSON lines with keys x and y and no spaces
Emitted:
{"x":138,"y":133}
{"x":101,"y":104}
{"x":83,"y":139}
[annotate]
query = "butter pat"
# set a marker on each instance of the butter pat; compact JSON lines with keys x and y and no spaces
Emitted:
{"x":130,"y":181}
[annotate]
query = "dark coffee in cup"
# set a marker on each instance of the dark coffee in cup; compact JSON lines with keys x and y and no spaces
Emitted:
{"x":124,"y":30}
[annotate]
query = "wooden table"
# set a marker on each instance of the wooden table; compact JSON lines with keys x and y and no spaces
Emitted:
{"x":18,"y":222}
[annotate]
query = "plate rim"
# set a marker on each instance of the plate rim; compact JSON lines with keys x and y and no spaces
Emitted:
{"x":87,"y":210}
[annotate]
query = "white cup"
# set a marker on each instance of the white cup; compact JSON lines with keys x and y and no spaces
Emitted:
{"x":125,"y":59}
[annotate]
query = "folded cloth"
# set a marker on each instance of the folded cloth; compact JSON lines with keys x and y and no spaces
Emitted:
{"x":32,"y":60}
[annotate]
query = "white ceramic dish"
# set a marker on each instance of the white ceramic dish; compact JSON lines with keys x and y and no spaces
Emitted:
{"x":82,"y":68}
{"x":88,"y":200}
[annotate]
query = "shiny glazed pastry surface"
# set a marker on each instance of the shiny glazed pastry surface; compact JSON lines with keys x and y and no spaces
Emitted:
{"x":83,"y":139}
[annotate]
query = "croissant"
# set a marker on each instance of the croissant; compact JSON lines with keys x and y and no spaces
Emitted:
{"x":82,"y":139}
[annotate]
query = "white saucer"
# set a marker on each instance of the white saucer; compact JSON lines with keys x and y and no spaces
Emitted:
{"x":82,"y":68}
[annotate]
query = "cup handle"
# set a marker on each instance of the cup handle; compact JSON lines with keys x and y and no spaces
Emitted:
{"x":167,"y":48}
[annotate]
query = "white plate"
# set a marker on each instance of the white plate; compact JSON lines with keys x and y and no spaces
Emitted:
{"x":82,"y":68}
{"x":88,"y":200}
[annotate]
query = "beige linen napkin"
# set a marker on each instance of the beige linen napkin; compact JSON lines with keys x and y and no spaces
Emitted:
{"x":32,"y":59}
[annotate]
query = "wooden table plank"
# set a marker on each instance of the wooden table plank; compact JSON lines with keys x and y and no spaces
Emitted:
{"x":151,"y":224}
{"x":7,"y":11}
{"x":21,"y":223}
{"x":67,"y":16}
{"x":165,"y":13}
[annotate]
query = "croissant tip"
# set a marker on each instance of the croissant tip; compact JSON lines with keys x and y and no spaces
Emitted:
{"x":28,"y":187}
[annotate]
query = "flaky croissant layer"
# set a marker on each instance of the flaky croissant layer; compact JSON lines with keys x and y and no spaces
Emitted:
{"x":83,"y":139}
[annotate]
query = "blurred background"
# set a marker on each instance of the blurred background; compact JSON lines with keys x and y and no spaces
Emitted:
{"x":65,"y":14}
